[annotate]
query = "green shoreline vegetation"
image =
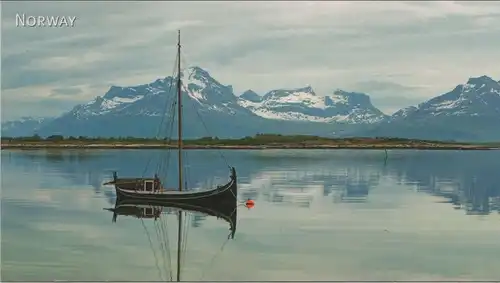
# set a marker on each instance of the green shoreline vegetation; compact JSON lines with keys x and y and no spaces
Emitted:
{"x":259,"y":141}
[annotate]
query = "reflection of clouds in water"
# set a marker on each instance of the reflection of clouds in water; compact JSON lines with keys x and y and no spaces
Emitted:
{"x":304,"y":186}
{"x":400,"y":232}
{"x":86,"y":246}
{"x":69,"y":199}
{"x":416,"y":226}
{"x":43,"y":196}
{"x":344,"y":256}
{"x":52,"y":190}
{"x":86,"y":231}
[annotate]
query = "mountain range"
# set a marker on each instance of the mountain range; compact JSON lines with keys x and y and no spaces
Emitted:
{"x":469,"y":112}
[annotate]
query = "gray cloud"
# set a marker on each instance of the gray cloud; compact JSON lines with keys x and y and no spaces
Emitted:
{"x":389,"y":104}
{"x":383,"y":86}
{"x":23,"y":78}
{"x":427,"y":46}
{"x":66,"y":91}
{"x":47,"y":107}
{"x":389,"y":96}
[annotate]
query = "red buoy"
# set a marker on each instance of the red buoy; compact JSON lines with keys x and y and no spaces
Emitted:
{"x":249,"y":203}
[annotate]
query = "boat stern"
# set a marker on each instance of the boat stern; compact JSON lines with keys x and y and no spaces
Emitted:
{"x":234,"y":186}
{"x":115,"y":177}
{"x":233,"y":173}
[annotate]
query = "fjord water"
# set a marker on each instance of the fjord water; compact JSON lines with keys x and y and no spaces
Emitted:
{"x":319,"y":215}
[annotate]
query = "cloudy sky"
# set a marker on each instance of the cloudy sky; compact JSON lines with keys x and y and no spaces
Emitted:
{"x":400,"y":53}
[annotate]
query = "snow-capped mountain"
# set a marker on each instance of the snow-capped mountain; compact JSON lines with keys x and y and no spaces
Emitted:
{"x":303,"y":104}
{"x":150,"y":99}
{"x":479,"y":97}
{"x":138,"y":111}
{"x":471,"y":111}
{"x":25,"y":126}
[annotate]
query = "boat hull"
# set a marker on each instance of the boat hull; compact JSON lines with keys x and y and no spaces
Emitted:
{"x":221,"y":194}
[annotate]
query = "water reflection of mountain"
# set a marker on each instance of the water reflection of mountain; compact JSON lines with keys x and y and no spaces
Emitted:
{"x":466,"y":180}
{"x":300,"y":185}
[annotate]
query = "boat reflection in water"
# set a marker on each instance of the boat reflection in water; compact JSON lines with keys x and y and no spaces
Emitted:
{"x":143,"y":209}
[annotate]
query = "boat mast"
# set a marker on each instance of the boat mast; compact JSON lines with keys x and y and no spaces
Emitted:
{"x":179,"y":147}
{"x":179,"y":110}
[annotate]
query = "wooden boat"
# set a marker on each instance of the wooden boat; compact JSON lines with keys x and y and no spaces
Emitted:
{"x":152,"y":189}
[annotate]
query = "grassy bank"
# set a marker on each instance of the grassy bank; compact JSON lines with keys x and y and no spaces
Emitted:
{"x":262,"y":141}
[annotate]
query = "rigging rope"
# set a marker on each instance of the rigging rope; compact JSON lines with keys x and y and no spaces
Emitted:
{"x":165,"y":231}
{"x":201,"y":119}
{"x":169,"y":129}
{"x":212,"y":261}
{"x":163,"y":168}
{"x":184,"y":239}
{"x":151,"y":245}
{"x":187,"y":175}
{"x":220,"y":250}
{"x":162,"y":246}
{"x":163,"y":115}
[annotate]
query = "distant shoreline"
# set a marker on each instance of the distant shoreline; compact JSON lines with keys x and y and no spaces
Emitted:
{"x":44,"y":145}
{"x":257,"y":142}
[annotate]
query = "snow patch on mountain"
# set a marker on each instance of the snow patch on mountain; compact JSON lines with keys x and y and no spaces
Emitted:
{"x":338,"y":97}
{"x":120,"y":98}
{"x":303,"y":104}
{"x":305,"y":96}
{"x":296,"y":116}
{"x":24,"y":126}
{"x":30,"y":119}
{"x":102,"y":105}
{"x":23,"y":120}
{"x":403,"y":113}
{"x":194,"y":81}
{"x":204,"y":89}
{"x":107,"y":105}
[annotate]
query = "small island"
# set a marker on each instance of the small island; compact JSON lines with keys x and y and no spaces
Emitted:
{"x":259,"y":141}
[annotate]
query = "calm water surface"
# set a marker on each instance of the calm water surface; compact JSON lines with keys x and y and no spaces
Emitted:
{"x":319,"y":215}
